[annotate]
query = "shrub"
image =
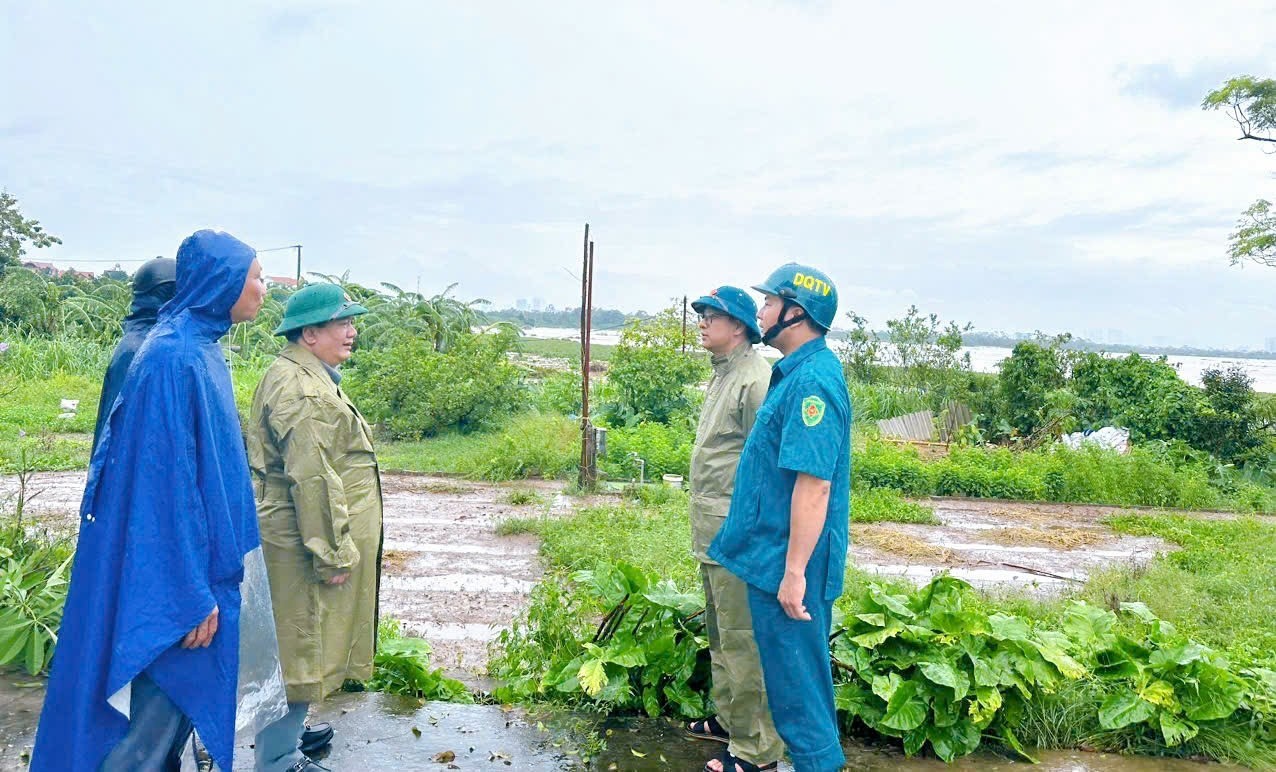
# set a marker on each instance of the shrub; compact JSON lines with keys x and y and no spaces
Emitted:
{"x":650,"y":373}
{"x":664,"y":449}
{"x":415,"y":391}
{"x":530,"y":445}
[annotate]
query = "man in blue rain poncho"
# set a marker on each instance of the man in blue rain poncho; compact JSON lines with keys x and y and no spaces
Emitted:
{"x":153,"y":286}
{"x":168,"y":586}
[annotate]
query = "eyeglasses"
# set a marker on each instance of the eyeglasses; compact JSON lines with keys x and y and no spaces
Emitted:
{"x":708,"y":316}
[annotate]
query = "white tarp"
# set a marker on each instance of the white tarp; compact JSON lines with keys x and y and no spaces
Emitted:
{"x":1109,"y":437}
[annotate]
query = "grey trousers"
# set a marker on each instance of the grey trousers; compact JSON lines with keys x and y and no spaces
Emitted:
{"x":278,"y":744}
{"x":157,"y":732}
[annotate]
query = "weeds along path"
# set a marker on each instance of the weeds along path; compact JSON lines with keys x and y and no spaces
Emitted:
{"x":446,"y":574}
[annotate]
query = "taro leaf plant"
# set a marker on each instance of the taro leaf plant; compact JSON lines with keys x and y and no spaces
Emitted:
{"x":1155,"y":681}
{"x":31,"y":600}
{"x":402,"y":666}
{"x":928,"y":669}
{"x":649,"y":651}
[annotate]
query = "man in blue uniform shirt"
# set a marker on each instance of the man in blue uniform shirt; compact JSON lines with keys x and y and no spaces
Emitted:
{"x":786,"y":532}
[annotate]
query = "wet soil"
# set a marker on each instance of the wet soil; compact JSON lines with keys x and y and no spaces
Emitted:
{"x":1031,"y":547}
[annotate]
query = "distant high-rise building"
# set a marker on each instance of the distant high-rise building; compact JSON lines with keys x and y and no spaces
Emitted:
{"x":521,"y":304}
{"x":537,"y":304}
{"x":1270,"y":346}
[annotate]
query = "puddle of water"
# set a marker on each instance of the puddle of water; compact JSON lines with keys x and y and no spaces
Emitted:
{"x":458,"y":583}
{"x":470,"y":549}
{"x":453,"y":632}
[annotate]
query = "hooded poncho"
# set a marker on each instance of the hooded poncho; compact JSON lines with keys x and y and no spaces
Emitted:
{"x":168,"y":530}
{"x":140,"y":320}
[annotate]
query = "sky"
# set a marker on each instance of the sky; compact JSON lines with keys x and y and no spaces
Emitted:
{"x":1020,"y":166}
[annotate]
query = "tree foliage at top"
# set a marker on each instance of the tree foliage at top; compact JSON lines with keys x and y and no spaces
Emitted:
{"x":1251,"y":103}
{"x":17,"y":231}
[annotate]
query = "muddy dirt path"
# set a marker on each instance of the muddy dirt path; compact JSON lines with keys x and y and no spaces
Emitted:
{"x":446,"y":575}
{"x":1033,"y":547}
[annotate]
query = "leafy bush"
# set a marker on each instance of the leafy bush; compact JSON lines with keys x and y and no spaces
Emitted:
{"x":933,"y":668}
{"x":34,"y":572}
{"x":648,"y":653}
{"x":415,"y":391}
{"x":560,"y":393}
{"x":650,"y":373}
{"x":530,"y":445}
{"x":402,"y":666}
{"x":1156,"y":475}
{"x":664,"y":449}
{"x":881,"y":505}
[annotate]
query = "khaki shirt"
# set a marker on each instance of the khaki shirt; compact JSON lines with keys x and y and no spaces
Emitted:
{"x":736,"y":390}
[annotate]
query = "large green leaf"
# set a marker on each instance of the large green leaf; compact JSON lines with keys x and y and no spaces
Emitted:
{"x":1213,"y":694}
{"x":906,"y":709}
{"x":1115,"y":664}
{"x":1008,"y":628}
{"x":1124,"y":708}
{"x":896,"y":604}
{"x":1165,"y":659}
{"x":667,"y":595}
{"x":1088,"y":625}
{"x":629,"y":656}
{"x":858,"y":701}
{"x":592,"y":675}
{"x":1175,"y":730}
{"x":1068,"y":666}
{"x":953,"y":741}
{"x":877,"y":637}
{"x":945,"y":674}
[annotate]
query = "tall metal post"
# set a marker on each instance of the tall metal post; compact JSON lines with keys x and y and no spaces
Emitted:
{"x":298,"y":266}
{"x":684,"y":324}
{"x":586,"y":479}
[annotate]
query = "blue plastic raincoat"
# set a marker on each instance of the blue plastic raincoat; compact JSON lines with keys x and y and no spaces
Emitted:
{"x":167,"y":529}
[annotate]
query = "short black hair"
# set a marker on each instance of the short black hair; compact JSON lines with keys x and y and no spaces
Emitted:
{"x":293,"y":336}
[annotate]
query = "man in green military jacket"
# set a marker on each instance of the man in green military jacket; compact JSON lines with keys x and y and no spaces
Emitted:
{"x":728,"y":330}
{"x":319,"y":510}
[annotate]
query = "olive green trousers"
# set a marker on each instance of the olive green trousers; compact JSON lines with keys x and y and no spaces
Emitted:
{"x":738,"y":689}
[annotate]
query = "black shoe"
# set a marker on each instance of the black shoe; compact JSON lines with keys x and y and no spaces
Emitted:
{"x":316,"y":737}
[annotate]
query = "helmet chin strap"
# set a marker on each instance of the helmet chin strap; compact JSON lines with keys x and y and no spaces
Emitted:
{"x":783,"y":324}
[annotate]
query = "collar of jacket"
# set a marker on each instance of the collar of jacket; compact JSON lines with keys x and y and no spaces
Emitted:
{"x":295,"y":352}
{"x":804,"y":352}
{"x":724,"y":362}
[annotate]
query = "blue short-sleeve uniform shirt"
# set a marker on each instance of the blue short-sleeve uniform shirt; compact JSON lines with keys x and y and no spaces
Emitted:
{"x":804,"y":425}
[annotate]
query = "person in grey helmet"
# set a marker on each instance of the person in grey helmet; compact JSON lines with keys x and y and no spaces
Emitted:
{"x":153,"y":286}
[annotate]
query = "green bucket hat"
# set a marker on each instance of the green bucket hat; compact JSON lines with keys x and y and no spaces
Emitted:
{"x":317,"y":304}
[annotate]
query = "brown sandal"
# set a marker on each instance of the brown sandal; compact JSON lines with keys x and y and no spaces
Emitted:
{"x":732,"y":764}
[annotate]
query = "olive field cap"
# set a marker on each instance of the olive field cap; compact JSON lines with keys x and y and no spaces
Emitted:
{"x":808,"y":287}
{"x":737,"y":304}
{"x":153,"y":273}
{"x":317,"y":304}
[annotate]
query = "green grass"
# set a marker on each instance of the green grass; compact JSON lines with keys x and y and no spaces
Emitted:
{"x":1218,"y":588}
{"x":523,"y":496}
{"x":564,"y":349}
{"x":879,"y":505}
{"x":33,"y":408}
{"x":530,"y":445}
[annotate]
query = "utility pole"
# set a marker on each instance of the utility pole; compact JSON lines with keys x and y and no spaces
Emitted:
{"x":588,"y":455}
{"x":298,"y":247}
{"x":684,"y":324}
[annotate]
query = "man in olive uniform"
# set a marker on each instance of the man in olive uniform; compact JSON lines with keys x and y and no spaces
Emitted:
{"x":786,"y":532}
{"x":728,"y":330}
{"x":319,"y":510}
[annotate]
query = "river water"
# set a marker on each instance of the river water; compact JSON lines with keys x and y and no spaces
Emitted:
{"x":985,"y":359}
